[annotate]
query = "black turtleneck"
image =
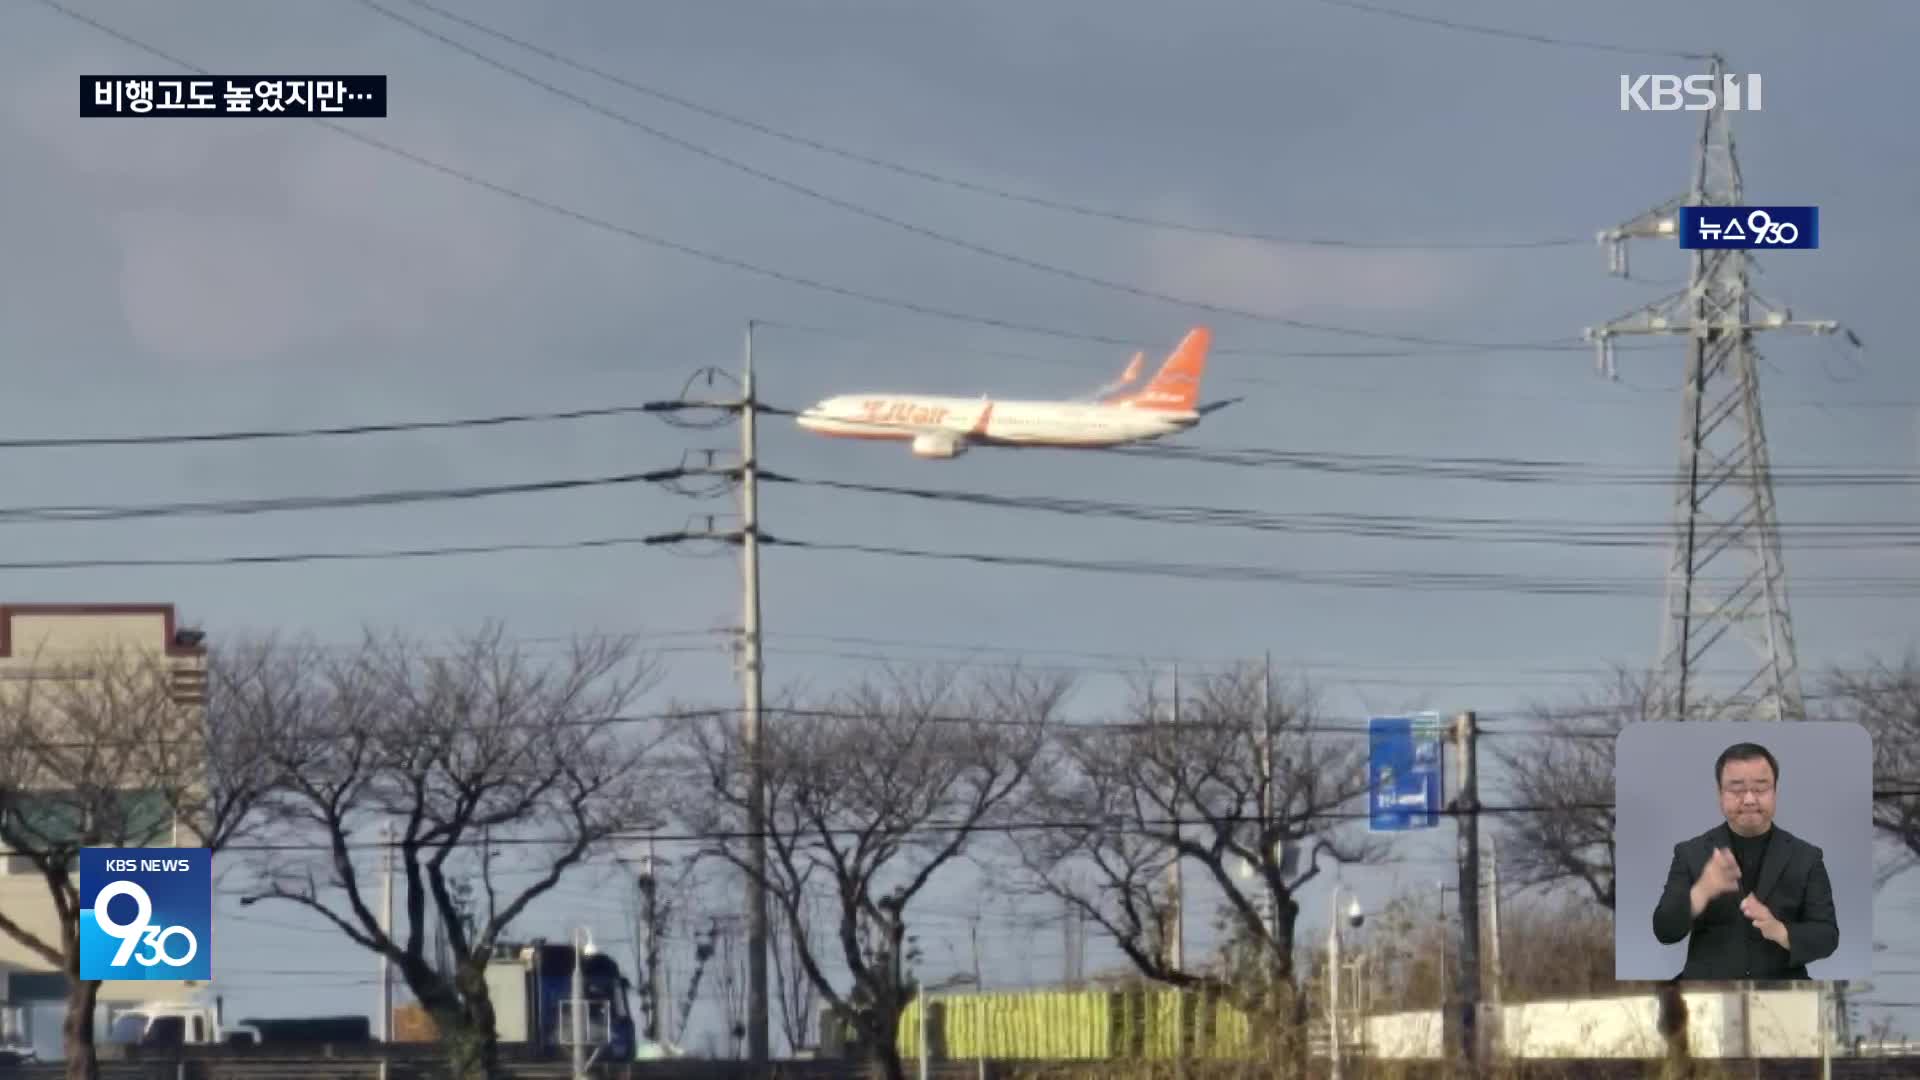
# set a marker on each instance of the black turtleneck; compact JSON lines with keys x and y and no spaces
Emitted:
{"x":1749,"y":851}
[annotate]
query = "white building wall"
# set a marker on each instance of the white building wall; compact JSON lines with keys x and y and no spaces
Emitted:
{"x":1783,"y":1023}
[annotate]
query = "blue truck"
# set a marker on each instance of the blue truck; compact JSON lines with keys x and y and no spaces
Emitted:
{"x":532,"y":990}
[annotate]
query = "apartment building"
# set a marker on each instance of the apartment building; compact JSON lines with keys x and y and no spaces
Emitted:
{"x":48,"y":644}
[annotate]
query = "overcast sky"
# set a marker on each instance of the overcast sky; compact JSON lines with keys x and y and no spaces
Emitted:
{"x":189,"y":275}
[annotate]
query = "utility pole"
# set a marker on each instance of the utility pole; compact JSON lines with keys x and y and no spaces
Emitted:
{"x":1178,"y":930}
{"x":1497,"y":1012}
{"x":1177,"y":946}
{"x":386,"y":927}
{"x":1069,"y":967}
{"x":757,"y":1004}
{"x":655,"y":992}
{"x":753,"y":671}
{"x":1267,"y":852}
{"x":1333,"y":982}
{"x":1467,"y":823}
{"x":1723,"y":503}
{"x":577,"y":1005}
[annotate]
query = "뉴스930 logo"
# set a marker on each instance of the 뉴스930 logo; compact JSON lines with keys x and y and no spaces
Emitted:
{"x":1693,"y":93}
{"x":146,"y":913}
{"x":140,"y":929}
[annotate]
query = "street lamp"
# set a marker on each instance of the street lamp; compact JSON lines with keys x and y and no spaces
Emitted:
{"x":1355,"y":917}
{"x":926,"y":1006}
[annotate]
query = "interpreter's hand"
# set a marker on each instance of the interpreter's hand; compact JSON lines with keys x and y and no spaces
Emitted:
{"x":1722,"y":874}
{"x":1770,"y":928}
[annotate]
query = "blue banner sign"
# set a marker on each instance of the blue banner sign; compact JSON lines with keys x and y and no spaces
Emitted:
{"x":1406,"y":772}
{"x":1754,"y":228}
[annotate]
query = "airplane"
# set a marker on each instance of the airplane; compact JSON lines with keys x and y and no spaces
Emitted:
{"x":945,"y":427}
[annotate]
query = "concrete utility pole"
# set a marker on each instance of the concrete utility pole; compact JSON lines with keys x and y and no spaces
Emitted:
{"x":1272,"y":906}
{"x":1177,"y":948}
{"x":1495,"y":1027}
{"x":1467,"y":823}
{"x":757,"y":1003}
{"x":752,"y":671}
{"x":1724,"y":504}
{"x":648,"y":945}
{"x":386,"y":926}
{"x":577,"y":1004}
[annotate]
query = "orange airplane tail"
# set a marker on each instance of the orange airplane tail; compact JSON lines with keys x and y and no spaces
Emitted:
{"x":1176,"y":386}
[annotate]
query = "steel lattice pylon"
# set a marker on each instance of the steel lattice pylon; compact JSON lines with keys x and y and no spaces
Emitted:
{"x":1726,"y":581}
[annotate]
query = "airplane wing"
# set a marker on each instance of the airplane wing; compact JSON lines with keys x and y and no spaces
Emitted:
{"x":1127,"y":378}
{"x":1216,"y":406}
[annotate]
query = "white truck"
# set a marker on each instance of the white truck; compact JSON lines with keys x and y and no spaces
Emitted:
{"x":176,"y":1023}
{"x":171,"y":1024}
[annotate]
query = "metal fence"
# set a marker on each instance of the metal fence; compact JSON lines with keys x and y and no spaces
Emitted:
{"x":1881,"y":1068}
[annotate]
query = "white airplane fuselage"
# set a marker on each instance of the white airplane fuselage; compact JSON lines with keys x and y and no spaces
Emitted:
{"x":943,"y":426}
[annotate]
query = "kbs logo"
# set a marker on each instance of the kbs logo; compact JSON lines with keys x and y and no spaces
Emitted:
{"x":146,"y":913}
{"x":1693,"y":93}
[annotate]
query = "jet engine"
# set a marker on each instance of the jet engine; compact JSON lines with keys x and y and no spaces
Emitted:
{"x":937,"y":446}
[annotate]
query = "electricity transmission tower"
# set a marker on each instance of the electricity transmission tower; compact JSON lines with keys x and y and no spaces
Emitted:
{"x":1726,"y":582}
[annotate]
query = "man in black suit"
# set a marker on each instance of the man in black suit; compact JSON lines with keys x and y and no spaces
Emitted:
{"x":1754,"y":897}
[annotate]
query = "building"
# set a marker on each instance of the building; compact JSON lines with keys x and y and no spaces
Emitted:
{"x":63,"y":646}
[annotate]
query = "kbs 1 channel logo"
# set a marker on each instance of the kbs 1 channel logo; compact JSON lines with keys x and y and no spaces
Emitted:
{"x":1689,"y":93}
{"x":146,"y":913}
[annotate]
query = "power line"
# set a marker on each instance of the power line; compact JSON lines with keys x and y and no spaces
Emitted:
{"x":1493,"y":31}
{"x":1313,"y":726}
{"x":1435,"y":528}
{"x":927,"y":828}
{"x":1860,"y":588}
{"x":1295,"y":383}
{"x":1119,"y":824}
{"x":1492,"y":468}
{"x":1496,"y":469}
{"x":269,"y":434}
{"x":1518,"y":678}
{"x":902,"y":649}
{"x":1440,"y":528}
{"x":1508,"y":470}
{"x":700,"y":253}
{"x":974,"y":186}
{"x":622,"y":230}
{"x":921,"y":230}
{"x":240,"y":507}
{"x":378,"y":555}
{"x":1853,"y":587}
{"x":1184,"y":661}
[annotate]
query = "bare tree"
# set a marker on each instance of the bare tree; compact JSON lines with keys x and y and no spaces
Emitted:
{"x":868,"y":798}
{"x":799,"y":999}
{"x":1126,"y":800}
{"x":486,"y":747}
{"x":123,"y":748}
{"x":656,"y":909}
{"x":730,"y":978}
{"x":1563,"y":774}
{"x":1558,"y":946}
{"x":1885,"y":699}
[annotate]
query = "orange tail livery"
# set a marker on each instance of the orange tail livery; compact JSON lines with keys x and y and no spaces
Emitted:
{"x":1176,"y":387}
